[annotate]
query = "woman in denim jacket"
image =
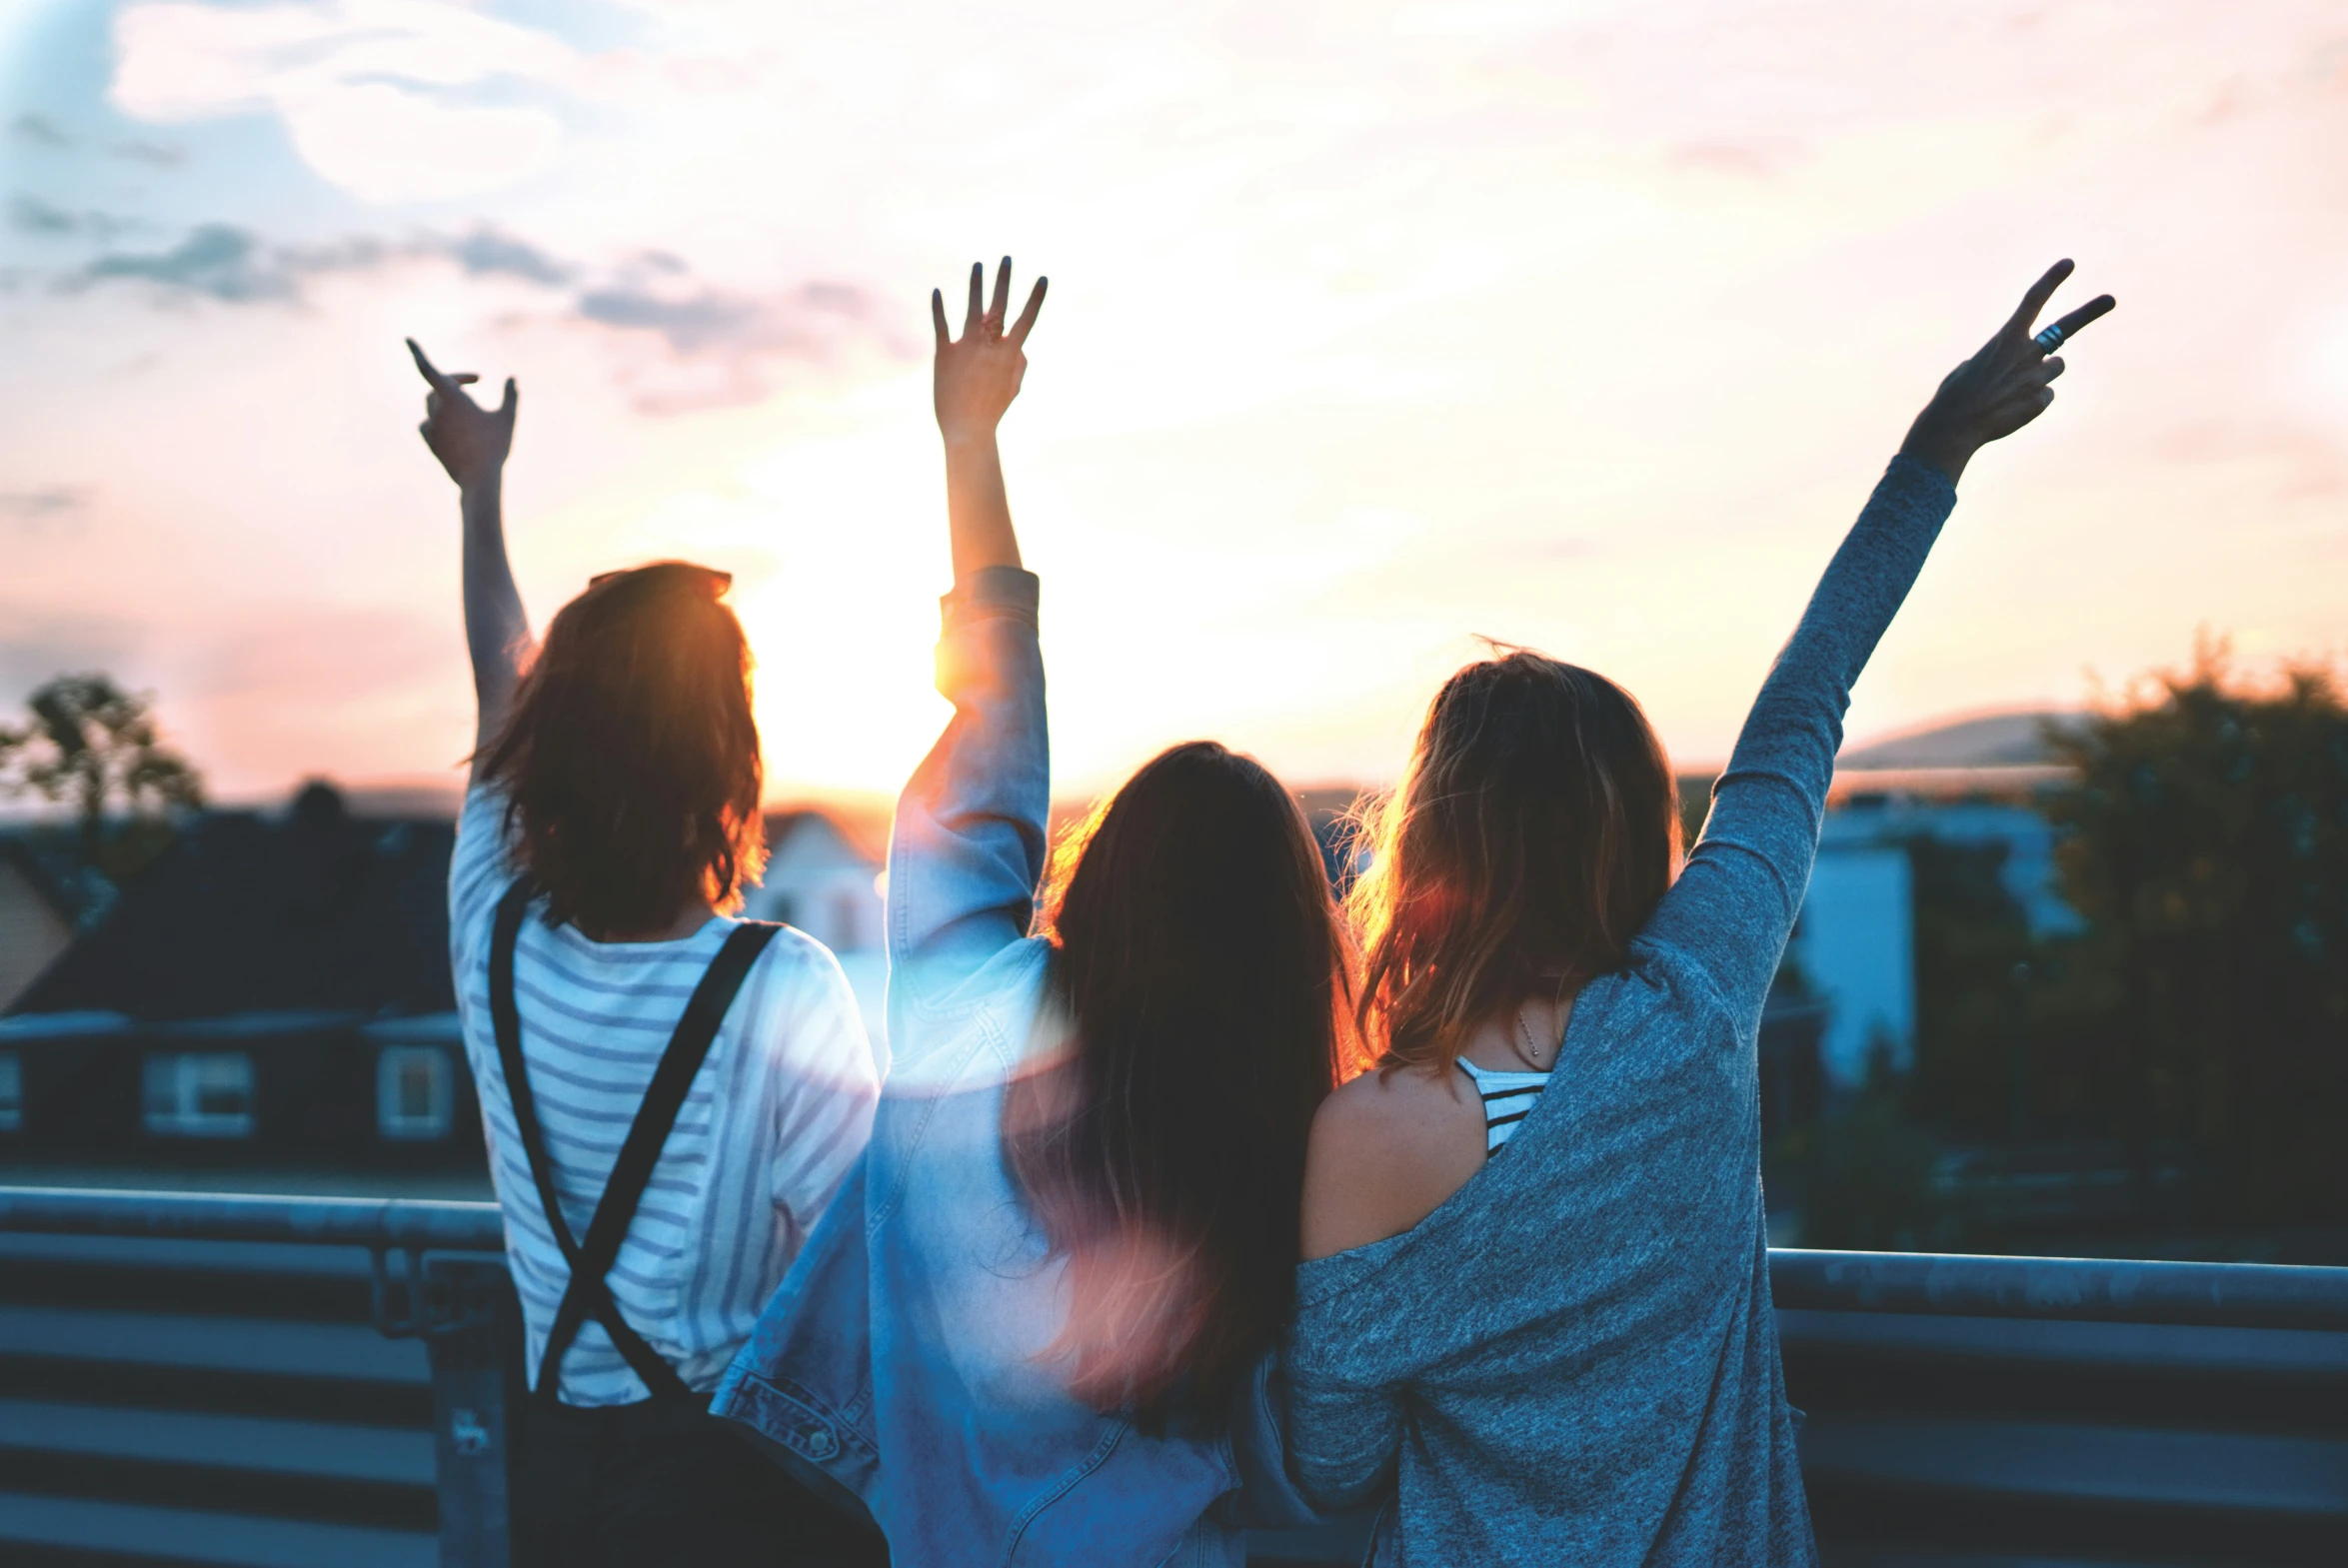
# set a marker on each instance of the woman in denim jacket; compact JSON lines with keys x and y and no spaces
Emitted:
{"x":1035,"y":1327}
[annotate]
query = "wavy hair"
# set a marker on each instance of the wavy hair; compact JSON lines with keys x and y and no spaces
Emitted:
{"x":629,"y":756}
{"x":1534,"y":831}
{"x":1203,"y":979}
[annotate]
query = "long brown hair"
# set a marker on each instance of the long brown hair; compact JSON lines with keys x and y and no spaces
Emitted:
{"x":629,"y":756}
{"x":1533,"y":832}
{"x":1201,"y":976}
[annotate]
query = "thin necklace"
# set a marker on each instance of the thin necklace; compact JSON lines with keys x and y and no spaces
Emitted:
{"x":1532,"y":1052}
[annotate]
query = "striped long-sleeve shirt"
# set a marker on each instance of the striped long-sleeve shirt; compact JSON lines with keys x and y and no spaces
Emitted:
{"x":779,"y":1110}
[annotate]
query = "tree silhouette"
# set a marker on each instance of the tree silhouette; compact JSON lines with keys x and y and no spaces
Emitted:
{"x":2207,"y":845}
{"x":93,"y":745}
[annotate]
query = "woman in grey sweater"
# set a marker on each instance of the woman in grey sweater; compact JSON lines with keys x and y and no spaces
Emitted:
{"x":1537,"y":1297}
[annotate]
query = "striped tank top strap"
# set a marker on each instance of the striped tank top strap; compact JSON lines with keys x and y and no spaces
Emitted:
{"x":1508,"y":1099}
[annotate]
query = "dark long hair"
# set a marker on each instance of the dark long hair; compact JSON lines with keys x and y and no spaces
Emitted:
{"x":629,"y":757}
{"x":1535,"y":828}
{"x":1201,"y":976}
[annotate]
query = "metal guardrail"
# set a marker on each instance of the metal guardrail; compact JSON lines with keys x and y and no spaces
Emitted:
{"x":404,"y":1224}
{"x":2232,"y":1295}
{"x":451,"y":1291}
{"x":2010,"y":1409}
{"x":2098,"y":1290}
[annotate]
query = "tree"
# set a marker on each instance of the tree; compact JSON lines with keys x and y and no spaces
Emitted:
{"x":2207,"y":847}
{"x":93,"y":745}
{"x":1974,"y":956}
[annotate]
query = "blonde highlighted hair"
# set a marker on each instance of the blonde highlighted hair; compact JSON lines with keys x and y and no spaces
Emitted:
{"x":1532,"y":834}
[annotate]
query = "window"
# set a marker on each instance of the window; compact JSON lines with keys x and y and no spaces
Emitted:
{"x":11,"y":1091}
{"x":413,"y":1093}
{"x":199,"y":1094}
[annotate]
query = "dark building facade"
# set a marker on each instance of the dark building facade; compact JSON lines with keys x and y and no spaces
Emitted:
{"x":273,"y":993}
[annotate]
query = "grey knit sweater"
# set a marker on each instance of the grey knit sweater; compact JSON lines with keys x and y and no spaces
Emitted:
{"x":1574,"y":1360}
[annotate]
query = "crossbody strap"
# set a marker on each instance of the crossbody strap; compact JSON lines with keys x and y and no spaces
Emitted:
{"x":588,"y":1292}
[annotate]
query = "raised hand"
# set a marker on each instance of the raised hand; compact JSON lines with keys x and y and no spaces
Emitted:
{"x":2002,"y":388}
{"x":469,"y":440}
{"x":976,"y":377}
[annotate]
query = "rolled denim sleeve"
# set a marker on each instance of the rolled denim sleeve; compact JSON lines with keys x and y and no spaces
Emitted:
{"x":968,"y":848}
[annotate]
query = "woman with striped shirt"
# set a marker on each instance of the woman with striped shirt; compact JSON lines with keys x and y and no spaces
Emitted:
{"x":670,"y":1096}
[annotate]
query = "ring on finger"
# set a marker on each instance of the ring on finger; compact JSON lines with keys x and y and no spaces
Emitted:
{"x":2050,"y":340}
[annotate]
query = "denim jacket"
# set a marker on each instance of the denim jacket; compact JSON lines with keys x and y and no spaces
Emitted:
{"x":901,"y":1357}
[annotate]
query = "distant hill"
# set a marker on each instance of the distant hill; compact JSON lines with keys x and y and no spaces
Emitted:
{"x":1988,"y":741}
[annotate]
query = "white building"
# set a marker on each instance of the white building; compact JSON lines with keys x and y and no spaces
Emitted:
{"x":1964,"y":782}
{"x":1855,"y":944}
{"x":824,"y":875}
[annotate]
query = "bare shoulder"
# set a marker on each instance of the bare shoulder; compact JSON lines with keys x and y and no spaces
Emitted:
{"x":1387,"y":1151}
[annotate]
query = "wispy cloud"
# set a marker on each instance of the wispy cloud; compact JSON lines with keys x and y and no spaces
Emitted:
{"x":44,"y":504}
{"x":29,"y":214}
{"x":234,"y":266}
{"x":689,"y":324}
{"x":39,"y":130}
{"x":487,"y":253}
{"x":160,"y":154}
{"x":721,"y":345}
{"x":216,"y":261}
{"x":717,"y":345}
{"x":373,"y":93}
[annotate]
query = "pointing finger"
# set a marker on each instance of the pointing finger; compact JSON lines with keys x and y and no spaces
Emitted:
{"x":938,"y":315}
{"x":2035,"y":300}
{"x":1027,"y":322}
{"x":978,"y":305}
{"x":424,"y":366}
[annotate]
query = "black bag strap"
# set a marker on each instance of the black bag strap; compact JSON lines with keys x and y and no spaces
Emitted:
{"x":616,"y":1209}
{"x":588,"y":1291}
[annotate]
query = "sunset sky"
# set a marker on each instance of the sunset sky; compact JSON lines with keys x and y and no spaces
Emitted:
{"x":1372,"y":327}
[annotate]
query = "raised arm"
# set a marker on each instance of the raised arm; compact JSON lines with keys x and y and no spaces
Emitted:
{"x":967,"y":850}
{"x":1736,"y":903}
{"x":470,"y":442}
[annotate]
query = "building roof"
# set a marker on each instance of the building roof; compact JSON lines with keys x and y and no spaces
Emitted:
{"x":1983,"y":741}
{"x":36,"y":858}
{"x":311,"y":911}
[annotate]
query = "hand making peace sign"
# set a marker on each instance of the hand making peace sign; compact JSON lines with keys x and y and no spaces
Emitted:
{"x":2003,"y":386}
